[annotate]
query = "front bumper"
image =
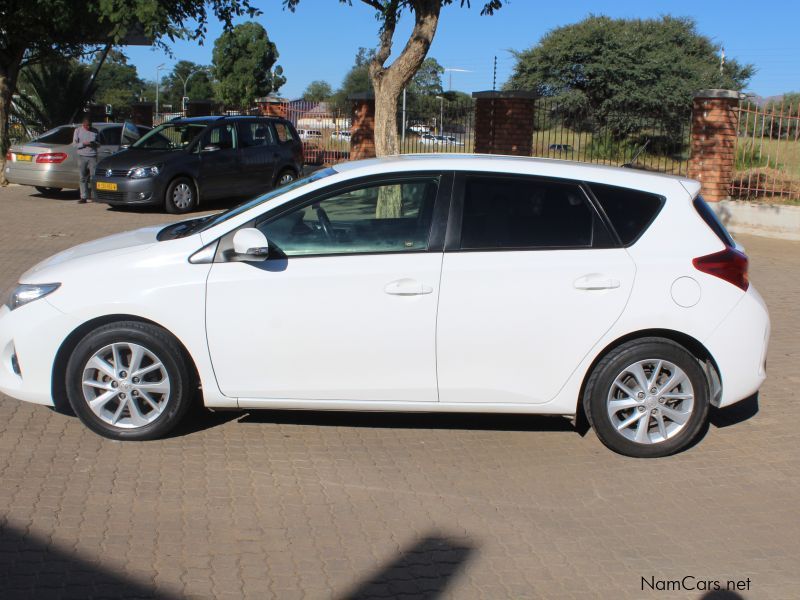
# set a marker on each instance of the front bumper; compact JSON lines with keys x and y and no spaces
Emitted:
{"x":129,"y":192}
{"x":30,"y":337}
{"x":739,"y":347}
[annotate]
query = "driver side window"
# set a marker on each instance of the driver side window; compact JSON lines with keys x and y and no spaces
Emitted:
{"x":381,"y":217}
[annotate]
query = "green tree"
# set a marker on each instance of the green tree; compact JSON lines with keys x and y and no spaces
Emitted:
{"x":48,"y":93}
{"x":197,"y":81}
{"x":357,"y":80}
{"x":388,"y":81}
{"x":607,"y":67}
{"x":35,"y":31}
{"x":427,"y":81}
{"x":117,"y":83}
{"x":317,"y":91}
{"x":243,"y":64}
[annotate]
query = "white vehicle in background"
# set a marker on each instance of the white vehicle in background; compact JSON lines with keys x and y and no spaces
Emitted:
{"x":503,"y":284}
{"x":342,"y":135}
{"x":309,"y":134}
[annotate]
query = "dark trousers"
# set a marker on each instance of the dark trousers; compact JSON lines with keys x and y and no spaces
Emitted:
{"x":86,"y":167}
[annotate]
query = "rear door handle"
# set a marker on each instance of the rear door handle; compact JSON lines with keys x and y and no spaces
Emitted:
{"x":407,"y":287}
{"x":595,"y":282}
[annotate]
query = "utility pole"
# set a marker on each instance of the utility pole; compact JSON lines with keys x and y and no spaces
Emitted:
{"x":494,"y":75}
{"x":721,"y":59}
{"x":158,"y":68}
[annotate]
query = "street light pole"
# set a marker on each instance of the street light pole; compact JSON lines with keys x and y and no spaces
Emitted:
{"x":186,"y":81}
{"x":158,"y":69}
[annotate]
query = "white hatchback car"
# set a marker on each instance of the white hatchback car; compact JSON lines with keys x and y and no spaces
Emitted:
{"x":417,"y":283}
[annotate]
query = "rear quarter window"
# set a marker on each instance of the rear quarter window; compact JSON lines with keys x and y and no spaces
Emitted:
{"x":630,"y":211}
{"x":712,"y":220}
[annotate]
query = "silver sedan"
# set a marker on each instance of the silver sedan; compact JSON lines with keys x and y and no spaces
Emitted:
{"x":49,"y":162}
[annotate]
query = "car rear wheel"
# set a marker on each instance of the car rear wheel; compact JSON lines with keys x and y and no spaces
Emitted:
{"x":46,"y":191}
{"x":286,"y":176}
{"x":181,"y":196}
{"x":647,"y":398}
{"x":129,"y":381}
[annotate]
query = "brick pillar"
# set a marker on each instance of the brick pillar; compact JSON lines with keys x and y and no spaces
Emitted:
{"x":142,"y":113}
{"x":270,"y":106}
{"x":715,"y":120}
{"x":198,"y":108}
{"x":362,"y":127}
{"x":504,"y":122}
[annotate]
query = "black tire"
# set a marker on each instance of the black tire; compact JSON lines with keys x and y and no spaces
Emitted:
{"x":601,"y":385}
{"x":46,"y":191}
{"x":176,"y":200}
{"x":285,"y":177}
{"x":156,"y":341}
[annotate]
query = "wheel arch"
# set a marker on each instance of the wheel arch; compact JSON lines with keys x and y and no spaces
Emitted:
{"x":691,"y":344}
{"x":58,"y":387}
{"x":282,"y":170}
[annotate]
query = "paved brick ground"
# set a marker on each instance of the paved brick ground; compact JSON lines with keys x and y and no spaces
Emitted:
{"x":313,"y":505}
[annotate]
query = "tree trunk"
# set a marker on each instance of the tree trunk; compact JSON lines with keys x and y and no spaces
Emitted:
{"x":390,"y":81}
{"x":8,"y":83}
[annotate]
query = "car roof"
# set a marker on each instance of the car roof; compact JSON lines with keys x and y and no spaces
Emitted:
{"x":214,"y":119}
{"x":545,"y":167}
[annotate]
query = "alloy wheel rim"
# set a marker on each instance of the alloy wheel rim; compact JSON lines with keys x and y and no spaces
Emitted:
{"x":286,"y":178}
{"x":182,"y":195}
{"x":650,"y":401}
{"x":126,"y":385}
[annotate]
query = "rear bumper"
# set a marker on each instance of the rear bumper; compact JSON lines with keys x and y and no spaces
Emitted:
{"x":739,"y":347}
{"x":41,"y":177}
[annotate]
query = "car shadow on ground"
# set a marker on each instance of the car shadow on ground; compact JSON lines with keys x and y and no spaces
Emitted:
{"x":734,"y":414}
{"x":63,"y":195}
{"x":405,"y":420}
{"x":32,"y":566}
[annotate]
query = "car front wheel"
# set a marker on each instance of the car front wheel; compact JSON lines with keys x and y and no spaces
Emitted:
{"x":129,"y":381}
{"x":647,"y":398}
{"x":181,"y":196}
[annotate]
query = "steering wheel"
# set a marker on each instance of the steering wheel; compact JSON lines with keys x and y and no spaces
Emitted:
{"x":325,"y":223}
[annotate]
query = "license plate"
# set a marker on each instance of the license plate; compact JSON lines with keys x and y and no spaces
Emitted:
{"x":24,"y":157}
{"x":104,"y":185}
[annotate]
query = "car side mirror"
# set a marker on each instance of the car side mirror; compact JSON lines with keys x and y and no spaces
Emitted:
{"x":211,"y":148}
{"x":124,"y":146}
{"x":250,"y":244}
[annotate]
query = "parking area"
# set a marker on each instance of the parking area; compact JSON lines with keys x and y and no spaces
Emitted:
{"x":338,"y":505}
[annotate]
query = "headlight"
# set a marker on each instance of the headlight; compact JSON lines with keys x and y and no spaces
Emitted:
{"x":28,"y":292}
{"x":142,"y":172}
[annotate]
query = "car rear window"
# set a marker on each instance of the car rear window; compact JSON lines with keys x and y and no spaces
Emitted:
{"x":712,"y":220}
{"x":59,"y":135}
{"x":630,"y":211}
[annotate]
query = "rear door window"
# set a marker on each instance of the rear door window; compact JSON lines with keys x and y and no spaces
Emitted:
{"x":284,"y":132}
{"x":59,"y":135}
{"x":630,"y":211}
{"x":255,"y":134}
{"x":524,"y":213}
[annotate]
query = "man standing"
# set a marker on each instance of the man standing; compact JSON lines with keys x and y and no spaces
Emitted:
{"x":85,"y":140}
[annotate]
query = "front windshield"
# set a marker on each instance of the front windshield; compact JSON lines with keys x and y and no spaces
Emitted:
{"x":170,"y":136}
{"x":214,"y":220}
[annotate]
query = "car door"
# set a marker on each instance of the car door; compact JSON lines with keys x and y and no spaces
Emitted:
{"x":109,"y":139}
{"x":260,"y":154}
{"x":130,"y":133}
{"x":531,"y":280}
{"x":220,"y":164}
{"x":345,"y":307}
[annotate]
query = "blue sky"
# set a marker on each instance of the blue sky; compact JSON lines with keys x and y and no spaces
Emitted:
{"x":321,"y":39}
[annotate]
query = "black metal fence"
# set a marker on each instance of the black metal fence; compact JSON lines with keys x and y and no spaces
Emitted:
{"x":437,"y":124}
{"x":657,"y":142}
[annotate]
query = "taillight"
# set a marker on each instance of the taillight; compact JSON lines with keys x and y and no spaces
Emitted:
{"x":729,"y":264}
{"x":51,"y":157}
{"x":8,"y":156}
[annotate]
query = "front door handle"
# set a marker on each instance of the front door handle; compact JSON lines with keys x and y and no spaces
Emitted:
{"x":595,"y":281}
{"x":407,"y":287}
